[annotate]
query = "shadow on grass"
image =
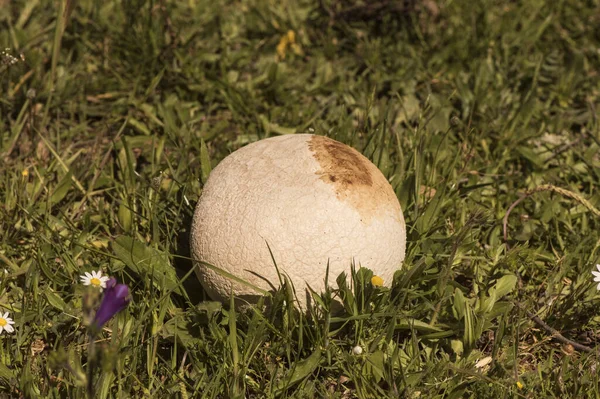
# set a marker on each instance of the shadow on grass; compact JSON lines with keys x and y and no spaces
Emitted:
{"x":183,"y":263}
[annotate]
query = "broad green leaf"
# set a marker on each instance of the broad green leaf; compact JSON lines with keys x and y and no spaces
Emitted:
{"x":124,"y":215}
{"x":205,"y":167}
{"x":150,"y":112}
{"x":375,"y":365}
{"x":457,"y":346}
{"x":459,"y":304}
{"x":55,"y":300}
{"x":409,"y":108}
{"x":300,"y":370}
{"x":417,"y":325}
{"x":439,"y":335}
{"x":341,"y":281}
{"x":176,"y":327}
{"x":140,"y":126}
{"x":499,"y":309}
{"x":62,"y":188}
{"x":441,"y":119}
{"x":469,"y":337}
{"x":530,"y":155}
{"x":505,"y":285}
{"x":209,"y":307}
{"x":147,"y":262}
{"x":487,"y":303}
{"x":6,"y":374}
{"x":46,"y":266}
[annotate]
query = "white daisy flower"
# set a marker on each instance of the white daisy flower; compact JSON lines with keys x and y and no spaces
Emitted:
{"x":5,"y":323}
{"x":597,"y":276}
{"x":96,"y":279}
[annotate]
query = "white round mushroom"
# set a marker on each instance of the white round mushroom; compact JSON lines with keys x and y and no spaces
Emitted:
{"x":312,"y":200}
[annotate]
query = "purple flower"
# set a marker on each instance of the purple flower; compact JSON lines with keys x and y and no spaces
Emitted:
{"x":116,"y":298}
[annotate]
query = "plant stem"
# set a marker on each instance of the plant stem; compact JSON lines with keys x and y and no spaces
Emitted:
{"x":91,"y":365}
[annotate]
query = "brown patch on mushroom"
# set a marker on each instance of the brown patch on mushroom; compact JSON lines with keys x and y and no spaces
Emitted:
{"x":355,"y":179}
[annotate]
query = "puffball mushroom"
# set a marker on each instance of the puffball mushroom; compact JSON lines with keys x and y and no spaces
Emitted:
{"x":308,"y":199}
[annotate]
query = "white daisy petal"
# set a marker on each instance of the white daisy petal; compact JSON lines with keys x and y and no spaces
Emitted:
{"x":5,"y":323}
{"x":598,"y":267}
{"x":598,"y":287}
{"x":95,"y":279}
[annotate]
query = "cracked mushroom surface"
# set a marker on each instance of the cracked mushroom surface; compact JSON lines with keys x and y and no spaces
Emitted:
{"x":312,"y":201}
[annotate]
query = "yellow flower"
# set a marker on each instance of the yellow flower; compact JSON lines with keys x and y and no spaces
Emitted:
{"x":519,"y":385}
{"x":291,"y":35}
{"x":377,"y":281}
{"x":25,"y":173}
{"x":288,"y":41}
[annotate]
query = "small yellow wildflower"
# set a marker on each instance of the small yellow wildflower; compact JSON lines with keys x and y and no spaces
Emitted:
{"x":25,"y":172}
{"x":288,"y":41}
{"x":519,"y":385}
{"x":377,"y":281}
{"x":291,"y":35}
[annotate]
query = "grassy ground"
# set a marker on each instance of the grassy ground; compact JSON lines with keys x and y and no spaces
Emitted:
{"x":110,"y":121}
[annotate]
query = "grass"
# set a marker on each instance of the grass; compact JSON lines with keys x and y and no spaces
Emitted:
{"x":111,"y":121}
